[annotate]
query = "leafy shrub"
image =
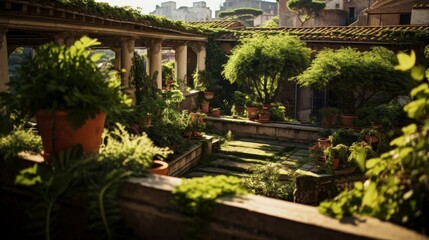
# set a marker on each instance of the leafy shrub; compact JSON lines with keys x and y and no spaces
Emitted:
{"x":19,"y":140}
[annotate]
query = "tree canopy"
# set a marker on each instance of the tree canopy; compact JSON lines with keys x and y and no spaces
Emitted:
{"x":261,"y":63}
{"x":357,"y":78}
{"x":243,"y":14}
{"x":306,"y":9}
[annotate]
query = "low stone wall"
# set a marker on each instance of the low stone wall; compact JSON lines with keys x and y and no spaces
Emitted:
{"x":186,"y":161}
{"x":147,"y":207}
{"x":282,"y":131}
{"x":312,"y":187}
{"x":191,"y":101}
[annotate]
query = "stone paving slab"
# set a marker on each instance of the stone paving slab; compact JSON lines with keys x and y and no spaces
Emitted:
{"x":225,"y":163}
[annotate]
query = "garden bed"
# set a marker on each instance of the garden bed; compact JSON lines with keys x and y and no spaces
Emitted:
{"x":187,"y":160}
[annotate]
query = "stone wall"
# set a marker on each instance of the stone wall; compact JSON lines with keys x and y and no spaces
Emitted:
{"x":147,"y":206}
{"x":283,"y":131}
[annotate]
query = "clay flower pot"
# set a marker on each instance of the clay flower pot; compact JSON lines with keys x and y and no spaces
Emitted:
{"x":159,"y":167}
{"x":347,"y":120}
{"x":323,"y":143}
{"x":58,"y":135}
{"x":216,"y":113}
{"x":205,"y":107}
{"x":208,"y":95}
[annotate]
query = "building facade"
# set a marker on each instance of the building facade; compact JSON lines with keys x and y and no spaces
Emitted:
{"x":198,"y":12}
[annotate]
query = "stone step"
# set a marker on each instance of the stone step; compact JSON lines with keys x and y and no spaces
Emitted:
{"x":219,"y":171}
{"x":231,"y":164}
{"x":236,"y":158}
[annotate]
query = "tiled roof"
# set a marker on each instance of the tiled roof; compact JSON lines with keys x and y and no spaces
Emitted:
{"x":376,"y":34}
{"x":225,"y":24}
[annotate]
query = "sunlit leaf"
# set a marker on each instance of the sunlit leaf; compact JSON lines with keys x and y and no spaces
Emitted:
{"x":406,"y":62}
{"x":418,"y":73}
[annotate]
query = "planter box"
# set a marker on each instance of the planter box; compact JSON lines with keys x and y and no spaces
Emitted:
{"x":186,"y":161}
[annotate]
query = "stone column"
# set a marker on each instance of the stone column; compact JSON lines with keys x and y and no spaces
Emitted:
{"x":4,"y":61}
{"x":118,"y":65}
{"x":155,"y":60}
{"x":201,"y":58}
{"x":181,"y":54}
{"x":127,"y":54}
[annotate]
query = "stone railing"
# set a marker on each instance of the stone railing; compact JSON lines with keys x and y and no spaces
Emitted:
{"x":147,"y":206}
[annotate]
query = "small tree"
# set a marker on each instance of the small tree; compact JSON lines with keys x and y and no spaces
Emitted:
{"x":306,"y":9}
{"x":357,"y":78}
{"x":260,"y":63}
{"x":272,"y":23}
{"x":245,"y":15}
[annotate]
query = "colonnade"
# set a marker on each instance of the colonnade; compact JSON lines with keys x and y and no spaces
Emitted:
{"x":124,"y":54}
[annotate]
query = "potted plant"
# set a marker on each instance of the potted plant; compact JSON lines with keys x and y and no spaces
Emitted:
{"x":329,"y":116}
{"x":135,"y":152}
{"x":168,"y":73}
{"x":343,"y":136}
{"x":371,"y":135}
{"x":360,"y":152}
{"x":215,"y":112}
{"x":204,"y":82}
{"x":278,"y":112}
{"x":252,"y":108}
{"x":264,"y":115}
{"x":323,"y":140}
{"x":204,"y":106}
{"x":336,"y":155}
{"x":69,"y":95}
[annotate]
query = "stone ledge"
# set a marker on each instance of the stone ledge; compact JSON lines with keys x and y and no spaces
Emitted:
{"x":274,"y":130}
{"x":186,"y":161}
{"x":147,"y":206}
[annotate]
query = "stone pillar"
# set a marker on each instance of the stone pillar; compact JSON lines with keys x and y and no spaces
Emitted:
{"x":181,"y":54}
{"x":127,"y":54}
{"x":201,"y":58}
{"x":305,"y":102}
{"x":4,"y":61}
{"x":155,"y":60}
{"x":118,"y":65}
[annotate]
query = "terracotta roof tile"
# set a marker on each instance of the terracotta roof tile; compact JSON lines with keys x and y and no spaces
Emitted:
{"x":225,"y":24}
{"x":387,"y":34}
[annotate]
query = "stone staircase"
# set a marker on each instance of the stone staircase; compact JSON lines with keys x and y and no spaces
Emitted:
{"x":237,"y":157}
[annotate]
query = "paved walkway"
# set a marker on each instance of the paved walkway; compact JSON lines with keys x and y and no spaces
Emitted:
{"x":238,"y":156}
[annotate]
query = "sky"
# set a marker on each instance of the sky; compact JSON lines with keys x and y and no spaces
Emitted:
{"x":150,"y":5}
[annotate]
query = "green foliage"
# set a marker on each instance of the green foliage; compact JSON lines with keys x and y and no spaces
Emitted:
{"x":261,"y":64}
{"x":168,"y":71}
{"x":356,"y":78}
{"x":121,"y":149}
{"x":360,"y":152}
{"x":272,"y":23}
{"x":389,"y":116}
{"x":264,"y":181}
{"x":60,"y":78}
{"x":397,"y":188}
{"x":18,"y":140}
{"x":306,"y":9}
{"x":343,"y":136}
{"x":339,"y":151}
{"x":204,"y":81}
{"x":243,"y":14}
{"x":278,"y":112}
{"x":197,"y":197}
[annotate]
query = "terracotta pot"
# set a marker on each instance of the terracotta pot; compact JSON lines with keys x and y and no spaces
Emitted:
{"x":187,"y":134}
{"x":57,"y":134}
{"x":208,"y":95}
{"x":371,"y":139}
{"x":335,"y":163}
{"x":264,"y":118}
{"x":329,"y":122}
{"x":159,"y":167}
{"x":215,"y":113}
{"x":252,"y":113}
{"x":323,"y":143}
{"x":205,"y":107}
{"x":147,"y":121}
{"x":347,"y":120}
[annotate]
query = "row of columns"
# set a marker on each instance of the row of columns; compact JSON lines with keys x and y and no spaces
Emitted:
{"x":123,"y":58}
